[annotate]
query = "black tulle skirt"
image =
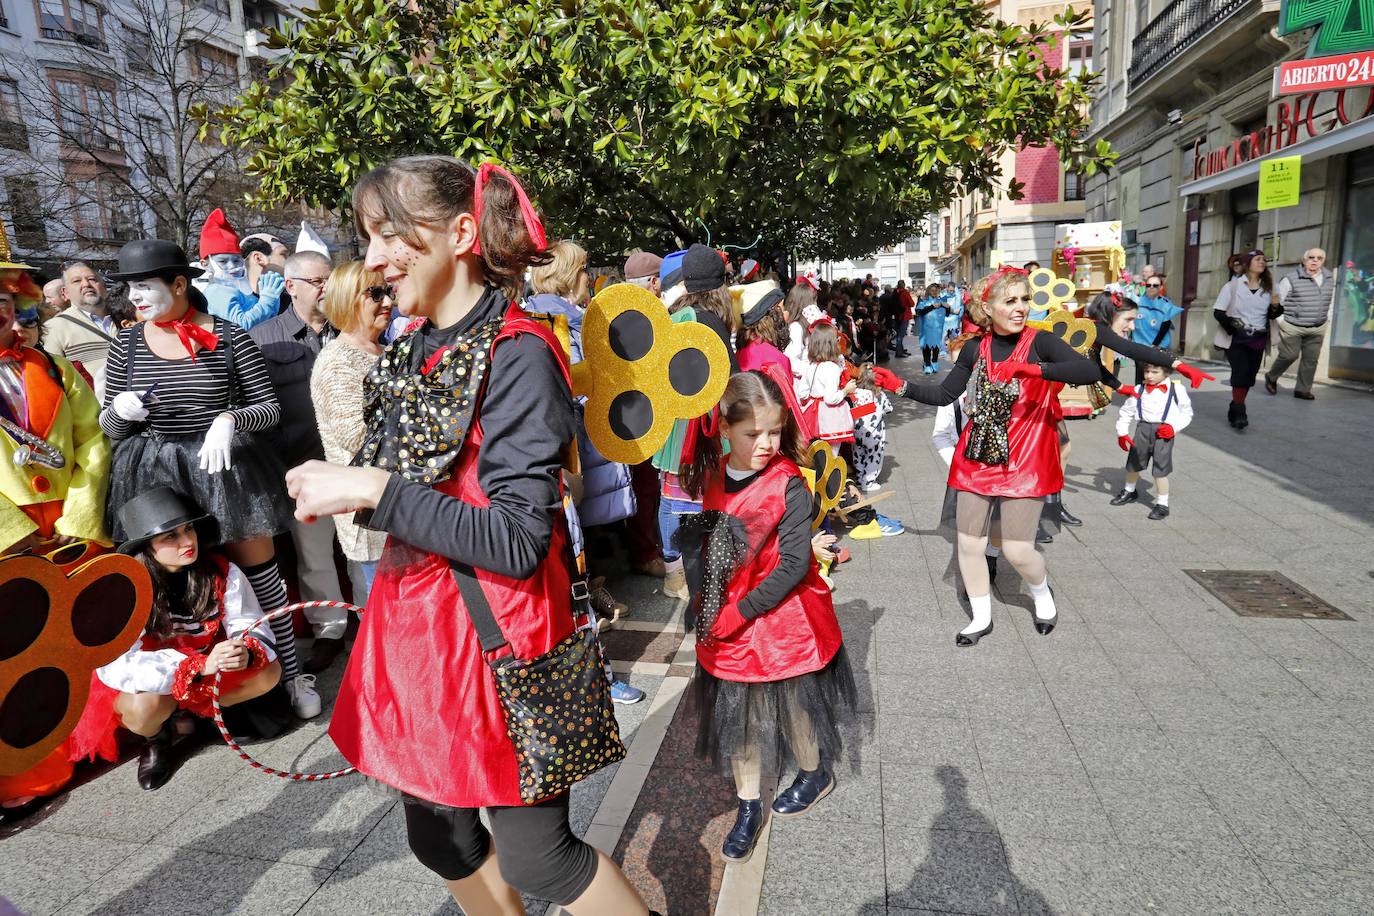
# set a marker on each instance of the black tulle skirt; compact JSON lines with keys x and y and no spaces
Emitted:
{"x":248,"y":499}
{"x":733,"y":717}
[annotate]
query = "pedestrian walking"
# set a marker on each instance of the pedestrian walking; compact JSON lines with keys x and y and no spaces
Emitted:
{"x":1306,"y":295}
{"x":1243,"y":310}
{"x":772,"y":681}
{"x":478,"y":544}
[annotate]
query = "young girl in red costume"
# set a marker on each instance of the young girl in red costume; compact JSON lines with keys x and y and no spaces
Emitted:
{"x":1008,"y":454}
{"x":201,"y":625}
{"x":771,"y":667}
{"x":468,"y":486}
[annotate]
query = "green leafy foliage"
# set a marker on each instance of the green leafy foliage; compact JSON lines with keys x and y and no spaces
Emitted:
{"x":829,"y":128}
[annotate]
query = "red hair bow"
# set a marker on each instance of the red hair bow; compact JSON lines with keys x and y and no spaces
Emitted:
{"x":532,"y":224}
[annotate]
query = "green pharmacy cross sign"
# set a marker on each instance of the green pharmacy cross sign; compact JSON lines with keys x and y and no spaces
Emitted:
{"x":1342,"y":25}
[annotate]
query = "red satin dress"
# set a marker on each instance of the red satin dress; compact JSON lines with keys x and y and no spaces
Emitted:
{"x":418,"y":707}
{"x":1033,"y":468}
{"x":799,"y":636}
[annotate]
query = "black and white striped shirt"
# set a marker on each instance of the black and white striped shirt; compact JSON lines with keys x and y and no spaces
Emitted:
{"x":191,"y":394}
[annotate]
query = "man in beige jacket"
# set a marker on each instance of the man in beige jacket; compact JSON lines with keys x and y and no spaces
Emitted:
{"x":83,"y":331}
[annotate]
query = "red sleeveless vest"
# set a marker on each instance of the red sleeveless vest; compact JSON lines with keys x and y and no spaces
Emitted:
{"x":801,"y":634}
{"x":1033,"y":468}
{"x":418,"y":708}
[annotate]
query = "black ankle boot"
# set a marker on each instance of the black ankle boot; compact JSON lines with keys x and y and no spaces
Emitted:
{"x":809,"y":787}
{"x":1242,"y":418}
{"x":739,"y":842}
{"x":1068,"y":517}
{"x":155,"y":760}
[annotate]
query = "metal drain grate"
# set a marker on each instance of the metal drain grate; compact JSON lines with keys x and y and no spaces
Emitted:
{"x":1264,"y":593}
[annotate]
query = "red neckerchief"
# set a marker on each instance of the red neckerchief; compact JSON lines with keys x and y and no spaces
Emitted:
{"x":189,"y":332}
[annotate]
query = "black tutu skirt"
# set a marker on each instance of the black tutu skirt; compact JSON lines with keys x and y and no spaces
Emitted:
{"x":734,"y":716}
{"x":248,"y":499}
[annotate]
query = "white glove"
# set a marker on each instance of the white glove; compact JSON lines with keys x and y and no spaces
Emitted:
{"x":127,"y":405}
{"x":270,"y":286}
{"x":214,"y":452}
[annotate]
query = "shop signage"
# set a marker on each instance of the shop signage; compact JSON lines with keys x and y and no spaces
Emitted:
{"x":1279,"y":179}
{"x":1340,"y":72}
{"x":1337,"y":30}
{"x":1290,"y":122}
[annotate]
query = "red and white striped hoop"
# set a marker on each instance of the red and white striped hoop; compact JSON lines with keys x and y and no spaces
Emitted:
{"x":219,"y":715}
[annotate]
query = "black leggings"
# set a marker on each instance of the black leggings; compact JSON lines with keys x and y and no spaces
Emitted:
{"x":930,"y":355}
{"x":1245,"y":362}
{"x":535,"y":847}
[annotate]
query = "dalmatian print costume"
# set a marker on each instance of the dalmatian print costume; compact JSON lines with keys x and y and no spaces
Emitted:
{"x":870,"y":436}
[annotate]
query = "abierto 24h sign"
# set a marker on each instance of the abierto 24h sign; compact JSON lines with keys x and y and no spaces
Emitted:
{"x":1343,"y":36}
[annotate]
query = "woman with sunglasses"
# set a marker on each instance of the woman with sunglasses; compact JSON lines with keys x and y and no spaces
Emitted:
{"x":469,"y":416}
{"x":1154,"y":323}
{"x":357,"y":302}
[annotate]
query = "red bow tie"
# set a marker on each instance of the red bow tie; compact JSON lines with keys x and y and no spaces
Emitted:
{"x":188,"y":331}
{"x":1164,"y":387}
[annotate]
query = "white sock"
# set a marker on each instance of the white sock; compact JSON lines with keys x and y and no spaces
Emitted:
{"x":1162,"y":499}
{"x":1044,"y":601}
{"x":992,"y":550}
{"x":673,"y":566}
{"x":1130,"y":488}
{"x":982,"y":614}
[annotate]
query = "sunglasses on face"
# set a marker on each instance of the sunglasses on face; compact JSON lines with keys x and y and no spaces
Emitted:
{"x":377,"y":293}
{"x":1153,"y":285}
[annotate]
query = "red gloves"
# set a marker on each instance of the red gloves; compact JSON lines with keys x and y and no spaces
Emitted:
{"x":1126,"y":391}
{"x":729,"y":622}
{"x":1194,"y":375}
{"x":1024,"y":370}
{"x":1165,"y":431}
{"x":1126,"y":442}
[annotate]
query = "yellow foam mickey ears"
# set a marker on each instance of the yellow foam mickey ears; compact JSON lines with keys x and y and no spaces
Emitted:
{"x":640,"y":372}
{"x":1079,"y":333}
{"x":827,"y":473}
{"x":1050,"y":292}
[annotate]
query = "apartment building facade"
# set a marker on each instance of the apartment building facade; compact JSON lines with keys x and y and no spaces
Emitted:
{"x":981,"y":231}
{"x":912,"y":260}
{"x":97,"y":145}
{"x":1188,"y":101}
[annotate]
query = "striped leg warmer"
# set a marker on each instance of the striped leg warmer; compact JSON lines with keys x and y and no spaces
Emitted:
{"x":271,"y":592}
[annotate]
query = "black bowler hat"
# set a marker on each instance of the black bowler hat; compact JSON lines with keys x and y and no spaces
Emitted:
{"x":158,"y":511}
{"x":703,"y":269}
{"x":143,"y":258}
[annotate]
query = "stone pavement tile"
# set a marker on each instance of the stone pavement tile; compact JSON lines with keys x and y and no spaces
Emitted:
{"x":161,"y":879}
{"x":999,"y":656}
{"x":1351,"y":681}
{"x":837,"y":866}
{"x":937,"y":798}
{"x":1321,"y":891}
{"x":1015,"y":701}
{"x":1037,"y":747}
{"x":1185,"y":709}
{"x":1053,"y":806}
{"x":1166,"y":814}
{"x":348,"y":893}
{"x":40,"y":870}
{"x":1126,"y":753}
{"x":1351,"y":797}
{"x":1100,"y":705}
{"x":775,"y":905}
{"x":1165,"y":669}
{"x":948,"y":871}
{"x":1289,"y":823}
{"x":303,"y":823}
{"x":1200,"y":883}
{"x":922,"y":694}
{"x":112,"y":804}
{"x":384,"y":854}
{"x":1062,"y":877}
{"x":1228,"y":759}
{"x":928,"y":740}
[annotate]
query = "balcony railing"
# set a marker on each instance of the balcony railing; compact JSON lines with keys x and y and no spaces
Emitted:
{"x":1174,"y":31}
{"x":81,"y":38}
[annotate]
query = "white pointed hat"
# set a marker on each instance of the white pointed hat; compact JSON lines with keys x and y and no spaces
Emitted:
{"x":310,"y":240}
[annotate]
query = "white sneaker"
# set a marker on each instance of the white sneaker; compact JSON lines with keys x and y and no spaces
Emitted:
{"x":872,"y":487}
{"x":304,"y":700}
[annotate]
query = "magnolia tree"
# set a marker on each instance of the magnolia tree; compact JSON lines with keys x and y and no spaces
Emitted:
{"x":825,"y":128}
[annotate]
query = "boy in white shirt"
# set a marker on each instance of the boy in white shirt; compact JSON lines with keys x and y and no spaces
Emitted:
{"x":1161,"y":409}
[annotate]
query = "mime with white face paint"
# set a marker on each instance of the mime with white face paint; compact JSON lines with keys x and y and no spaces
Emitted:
{"x":187,"y":399}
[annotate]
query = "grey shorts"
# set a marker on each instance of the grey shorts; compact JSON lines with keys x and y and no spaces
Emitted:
{"x":1150,"y":448}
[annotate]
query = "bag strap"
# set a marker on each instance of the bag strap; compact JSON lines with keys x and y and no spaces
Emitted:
{"x":478,"y":608}
{"x":84,"y":326}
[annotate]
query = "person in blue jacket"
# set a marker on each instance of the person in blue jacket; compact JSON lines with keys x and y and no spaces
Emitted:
{"x":932,"y":309}
{"x":1154,"y":323}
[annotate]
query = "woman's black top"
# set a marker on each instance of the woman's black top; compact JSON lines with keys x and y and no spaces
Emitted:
{"x":526,"y":416}
{"x":1113,"y":341}
{"x":1058,"y":361}
{"x":794,"y":548}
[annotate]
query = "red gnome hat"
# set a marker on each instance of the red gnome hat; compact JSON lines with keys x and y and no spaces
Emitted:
{"x":217,"y":236}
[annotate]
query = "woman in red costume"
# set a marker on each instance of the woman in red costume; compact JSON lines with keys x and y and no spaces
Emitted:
{"x":468,"y":418}
{"x":1008,"y":454}
{"x":771,"y":667}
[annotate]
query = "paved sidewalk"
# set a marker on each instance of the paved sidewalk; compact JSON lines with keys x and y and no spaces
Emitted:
{"x":1156,"y":753}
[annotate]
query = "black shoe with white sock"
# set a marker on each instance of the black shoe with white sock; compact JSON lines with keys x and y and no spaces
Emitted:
{"x":1125,"y":496}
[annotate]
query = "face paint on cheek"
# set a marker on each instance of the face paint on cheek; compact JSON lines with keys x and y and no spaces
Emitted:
{"x":152,"y":301}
